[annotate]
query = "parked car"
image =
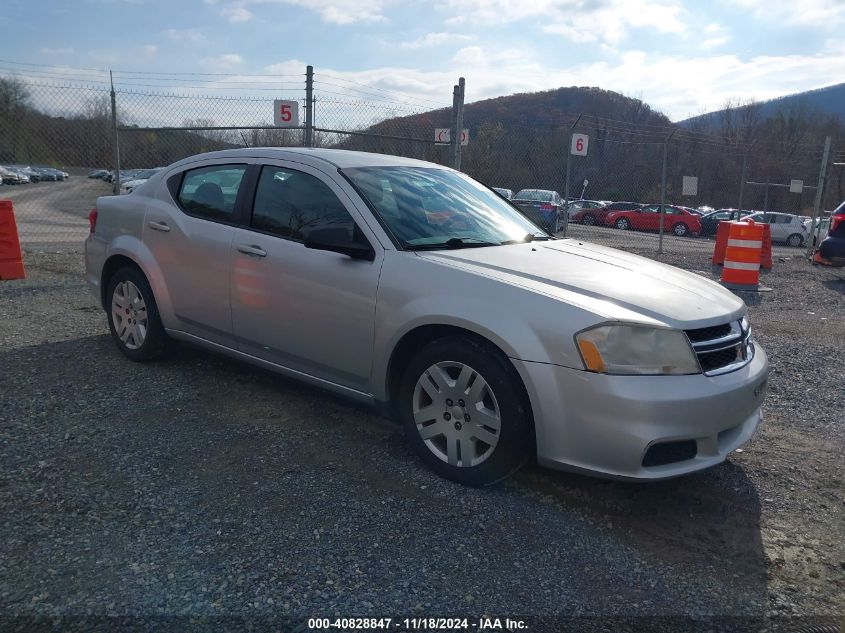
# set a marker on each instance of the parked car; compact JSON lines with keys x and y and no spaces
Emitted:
{"x":98,"y":173}
{"x":22,"y":176}
{"x":9,"y":177}
{"x":137,"y":178}
{"x":677,"y":220}
{"x":785,"y":227}
{"x":45,"y":174}
{"x":710,"y":221}
{"x":490,"y":340}
{"x":589,"y":212}
{"x":832,"y":248}
{"x":817,"y":230}
{"x":542,"y":206}
{"x":507,"y":194}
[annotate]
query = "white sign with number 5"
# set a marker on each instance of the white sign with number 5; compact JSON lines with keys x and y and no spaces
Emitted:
{"x":579,"y":144}
{"x":285,"y":113}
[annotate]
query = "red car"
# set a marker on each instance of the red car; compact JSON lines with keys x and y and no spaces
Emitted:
{"x":678,"y":220}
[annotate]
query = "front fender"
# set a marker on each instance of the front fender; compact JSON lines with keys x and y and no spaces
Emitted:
{"x":525,"y":325}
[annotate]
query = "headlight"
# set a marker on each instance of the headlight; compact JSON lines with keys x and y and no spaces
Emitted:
{"x":636,"y":350}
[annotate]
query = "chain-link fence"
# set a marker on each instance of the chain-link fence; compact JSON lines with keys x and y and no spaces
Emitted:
{"x":67,"y":139}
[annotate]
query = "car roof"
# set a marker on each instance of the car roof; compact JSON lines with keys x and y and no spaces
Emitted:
{"x":339,"y":158}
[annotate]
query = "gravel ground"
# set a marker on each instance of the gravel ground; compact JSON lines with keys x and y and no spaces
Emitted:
{"x":199,"y":487}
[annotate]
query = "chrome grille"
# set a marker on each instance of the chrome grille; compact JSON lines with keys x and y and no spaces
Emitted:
{"x":722,"y":348}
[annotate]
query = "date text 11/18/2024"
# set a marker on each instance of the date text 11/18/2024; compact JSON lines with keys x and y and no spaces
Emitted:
{"x":484,"y":623}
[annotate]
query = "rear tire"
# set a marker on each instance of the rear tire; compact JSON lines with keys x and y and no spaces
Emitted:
{"x":680,"y":229}
{"x":794,"y":240}
{"x":463,"y":411}
{"x":589,"y":219}
{"x":133,"y":316}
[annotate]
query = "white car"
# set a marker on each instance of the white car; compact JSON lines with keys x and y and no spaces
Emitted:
{"x":414,"y":288}
{"x":785,"y":227}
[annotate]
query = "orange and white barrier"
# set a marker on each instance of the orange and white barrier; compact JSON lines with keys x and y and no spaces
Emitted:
{"x":11,"y":261}
{"x":744,"y":247}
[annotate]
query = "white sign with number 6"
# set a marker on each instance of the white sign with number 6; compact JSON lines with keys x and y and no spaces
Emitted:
{"x":579,"y":144}
{"x":285,"y":113}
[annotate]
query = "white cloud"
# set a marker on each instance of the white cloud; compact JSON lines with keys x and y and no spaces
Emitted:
{"x":57,"y":51}
{"x":823,"y":14}
{"x":577,"y":20}
{"x":223,"y":63}
{"x":714,"y":42}
{"x":236,"y":13}
{"x":677,"y":85}
{"x":430,"y":40}
{"x":341,"y":12}
{"x":150,"y":50}
{"x":192,"y":36}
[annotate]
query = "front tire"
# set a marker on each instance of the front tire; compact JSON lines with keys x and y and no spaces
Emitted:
{"x":623,"y":224}
{"x":133,"y":316}
{"x":464,"y":412}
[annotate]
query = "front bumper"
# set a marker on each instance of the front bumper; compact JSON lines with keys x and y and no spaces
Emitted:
{"x":604,"y":424}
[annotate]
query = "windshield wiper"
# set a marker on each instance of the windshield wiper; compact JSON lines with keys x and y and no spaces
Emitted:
{"x":528,"y":238}
{"x":455,"y":242}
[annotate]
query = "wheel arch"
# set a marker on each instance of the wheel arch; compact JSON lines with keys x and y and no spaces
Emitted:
{"x":415,"y":339}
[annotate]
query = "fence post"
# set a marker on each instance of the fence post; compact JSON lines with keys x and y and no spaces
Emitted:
{"x":457,"y":122}
{"x":817,"y":206}
{"x":116,"y":148}
{"x":742,"y":179}
{"x":566,"y":184}
{"x":308,"y":140}
{"x":663,"y":193}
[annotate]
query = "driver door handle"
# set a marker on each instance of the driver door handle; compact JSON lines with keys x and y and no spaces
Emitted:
{"x":253,"y":250}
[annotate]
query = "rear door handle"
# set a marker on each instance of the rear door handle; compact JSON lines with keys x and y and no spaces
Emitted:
{"x":256,"y":251}
{"x":159,"y":226}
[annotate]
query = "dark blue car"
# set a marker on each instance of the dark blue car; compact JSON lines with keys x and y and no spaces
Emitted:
{"x":832,"y":247}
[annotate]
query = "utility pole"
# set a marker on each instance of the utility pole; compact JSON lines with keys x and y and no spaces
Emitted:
{"x":663,"y":192}
{"x":817,"y":207}
{"x":308,"y":139}
{"x":116,"y":149}
{"x":457,"y":122}
{"x":566,"y":185}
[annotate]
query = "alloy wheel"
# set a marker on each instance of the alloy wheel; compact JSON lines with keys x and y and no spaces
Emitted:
{"x":456,"y":414}
{"x":129,"y":314}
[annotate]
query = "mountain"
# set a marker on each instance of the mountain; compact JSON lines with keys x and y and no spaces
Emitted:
{"x":829,"y":100}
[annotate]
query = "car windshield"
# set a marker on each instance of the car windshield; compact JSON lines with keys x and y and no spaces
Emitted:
{"x":534,"y":194}
{"x":427,"y":207}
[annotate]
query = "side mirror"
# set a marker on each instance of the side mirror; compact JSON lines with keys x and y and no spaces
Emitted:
{"x":337,"y":240}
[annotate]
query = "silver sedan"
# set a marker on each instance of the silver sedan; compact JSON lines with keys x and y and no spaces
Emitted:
{"x":411,"y":287}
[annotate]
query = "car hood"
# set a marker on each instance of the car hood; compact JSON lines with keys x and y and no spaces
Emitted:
{"x":609,"y":282}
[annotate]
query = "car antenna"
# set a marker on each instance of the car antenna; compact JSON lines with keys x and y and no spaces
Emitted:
{"x":243,"y":136}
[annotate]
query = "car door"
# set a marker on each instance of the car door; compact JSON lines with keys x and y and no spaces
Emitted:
{"x":646,"y":219}
{"x":669,"y":218}
{"x":190,"y":239}
{"x":308,"y":310}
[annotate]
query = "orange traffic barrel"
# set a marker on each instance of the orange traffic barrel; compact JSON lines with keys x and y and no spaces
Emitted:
{"x":741,"y":270}
{"x":11,"y":261}
{"x":766,"y":254}
{"x":721,"y":242}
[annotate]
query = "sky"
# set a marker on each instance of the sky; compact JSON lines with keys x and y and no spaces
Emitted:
{"x":681,"y":57}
